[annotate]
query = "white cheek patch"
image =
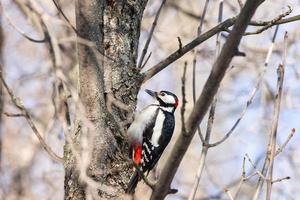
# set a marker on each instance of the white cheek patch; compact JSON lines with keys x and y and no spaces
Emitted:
{"x":167,"y":99}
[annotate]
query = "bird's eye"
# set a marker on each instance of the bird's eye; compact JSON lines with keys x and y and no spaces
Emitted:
{"x":162,"y":94}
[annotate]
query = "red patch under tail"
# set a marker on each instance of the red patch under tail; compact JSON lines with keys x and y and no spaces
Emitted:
{"x":137,"y":157}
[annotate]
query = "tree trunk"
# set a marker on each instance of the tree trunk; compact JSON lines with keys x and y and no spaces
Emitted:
{"x":114,"y":27}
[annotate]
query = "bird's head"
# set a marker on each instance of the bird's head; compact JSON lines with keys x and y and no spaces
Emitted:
{"x":165,"y":98}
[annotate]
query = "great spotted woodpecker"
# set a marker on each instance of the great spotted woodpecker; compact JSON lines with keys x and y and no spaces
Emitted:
{"x":151,"y":132}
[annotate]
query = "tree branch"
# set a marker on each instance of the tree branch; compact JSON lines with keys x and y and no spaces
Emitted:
{"x":199,"y":31}
{"x":188,"y":47}
{"x":271,"y":23}
{"x":280,"y":149}
{"x":210,"y":88}
{"x":18,"y":103}
{"x":205,"y":36}
{"x":272,"y":152}
{"x":22,"y":32}
{"x":64,"y":16}
{"x":182,"y":110}
{"x":144,"y":52}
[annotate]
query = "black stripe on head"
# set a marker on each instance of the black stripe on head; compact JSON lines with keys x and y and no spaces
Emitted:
{"x":162,"y":103}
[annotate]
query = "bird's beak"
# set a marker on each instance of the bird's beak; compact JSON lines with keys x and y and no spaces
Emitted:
{"x":151,"y":93}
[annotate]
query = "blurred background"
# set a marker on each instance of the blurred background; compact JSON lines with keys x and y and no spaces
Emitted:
{"x":27,"y":172}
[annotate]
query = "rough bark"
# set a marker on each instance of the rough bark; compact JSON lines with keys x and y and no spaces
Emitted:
{"x":114,"y":27}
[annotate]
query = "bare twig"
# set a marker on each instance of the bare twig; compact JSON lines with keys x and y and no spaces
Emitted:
{"x":260,"y":180}
{"x":280,"y":149}
{"x":18,"y":103}
{"x":269,"y":161}
{"x":204,"y":150}
{"x":186,"y":48}
{"x":203,"y":18}
{"x":20,"y":31}
{"x":142,"y":175}
{"x":252,"y":94}
{"x":227,"y":191}
{"x":243,"y":178}
{"x":249,"y":102}
{"x":203,"y":37}
{"x":14,"y":115}
{"x":210,"y":122}
{"x":144,"y":52}
{"x":281,"y":21}
{"x":194,"y":97}
{"x":272,"y":145}
{"x":254,"y":167}
{"x":186,"y":12}
{"x":194,"y":64}
{"x":182,"y":110}
{"x":64,"y":16}
{"x":179,"y":43}
{"x":281,"y":179}
{"x":271,"y":23}
{"x":147,"y":59}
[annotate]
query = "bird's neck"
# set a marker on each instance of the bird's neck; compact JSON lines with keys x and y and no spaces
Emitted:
{"x":168,"y":109}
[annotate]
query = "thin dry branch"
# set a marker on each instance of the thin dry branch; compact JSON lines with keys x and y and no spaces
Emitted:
{"x":20,"y":31}
{"x":204,"y":150}
{"x":210,"y":121}
{"x":281,"y":148}
{"x":186,"y":12}
{"x":188,"y":47}
{"x":271,"y":23}
{"x":14,"y":115}
{"x":142,"y":175}
{"x":243,"y":178}
{"x":205,"y":36}
{"x":203,"y":18}
{"x":194,"y":64}
{"x":269,"y":161}
{"x":18,"y":103}
{"x":227,"y":191}
{"x":281,"y":179}
{"x":281,"y":21}
{"x":210,"y":88}
{"x":182,"y":110}
{"x":145,"y":49}
{"x":271,"y":151}
{"x":147,"y":59}
{"x":64,"y":16}
{"x":272,"y":145}
{"x":252,"y":94}
{"x":194,"y":97}
{"x":254,"y":167}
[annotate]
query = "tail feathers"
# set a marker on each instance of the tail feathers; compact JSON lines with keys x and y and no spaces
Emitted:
{"x":133,"y":183}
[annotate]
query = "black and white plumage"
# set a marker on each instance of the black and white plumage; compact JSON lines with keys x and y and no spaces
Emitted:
{"x":151,"y":131}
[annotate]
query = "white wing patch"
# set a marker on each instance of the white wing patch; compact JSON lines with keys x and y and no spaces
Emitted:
{"x":136,"y":129}
{"x":157,"y":128}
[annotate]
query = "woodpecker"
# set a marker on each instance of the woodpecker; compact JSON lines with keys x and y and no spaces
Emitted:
{"x":150,"y":133}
